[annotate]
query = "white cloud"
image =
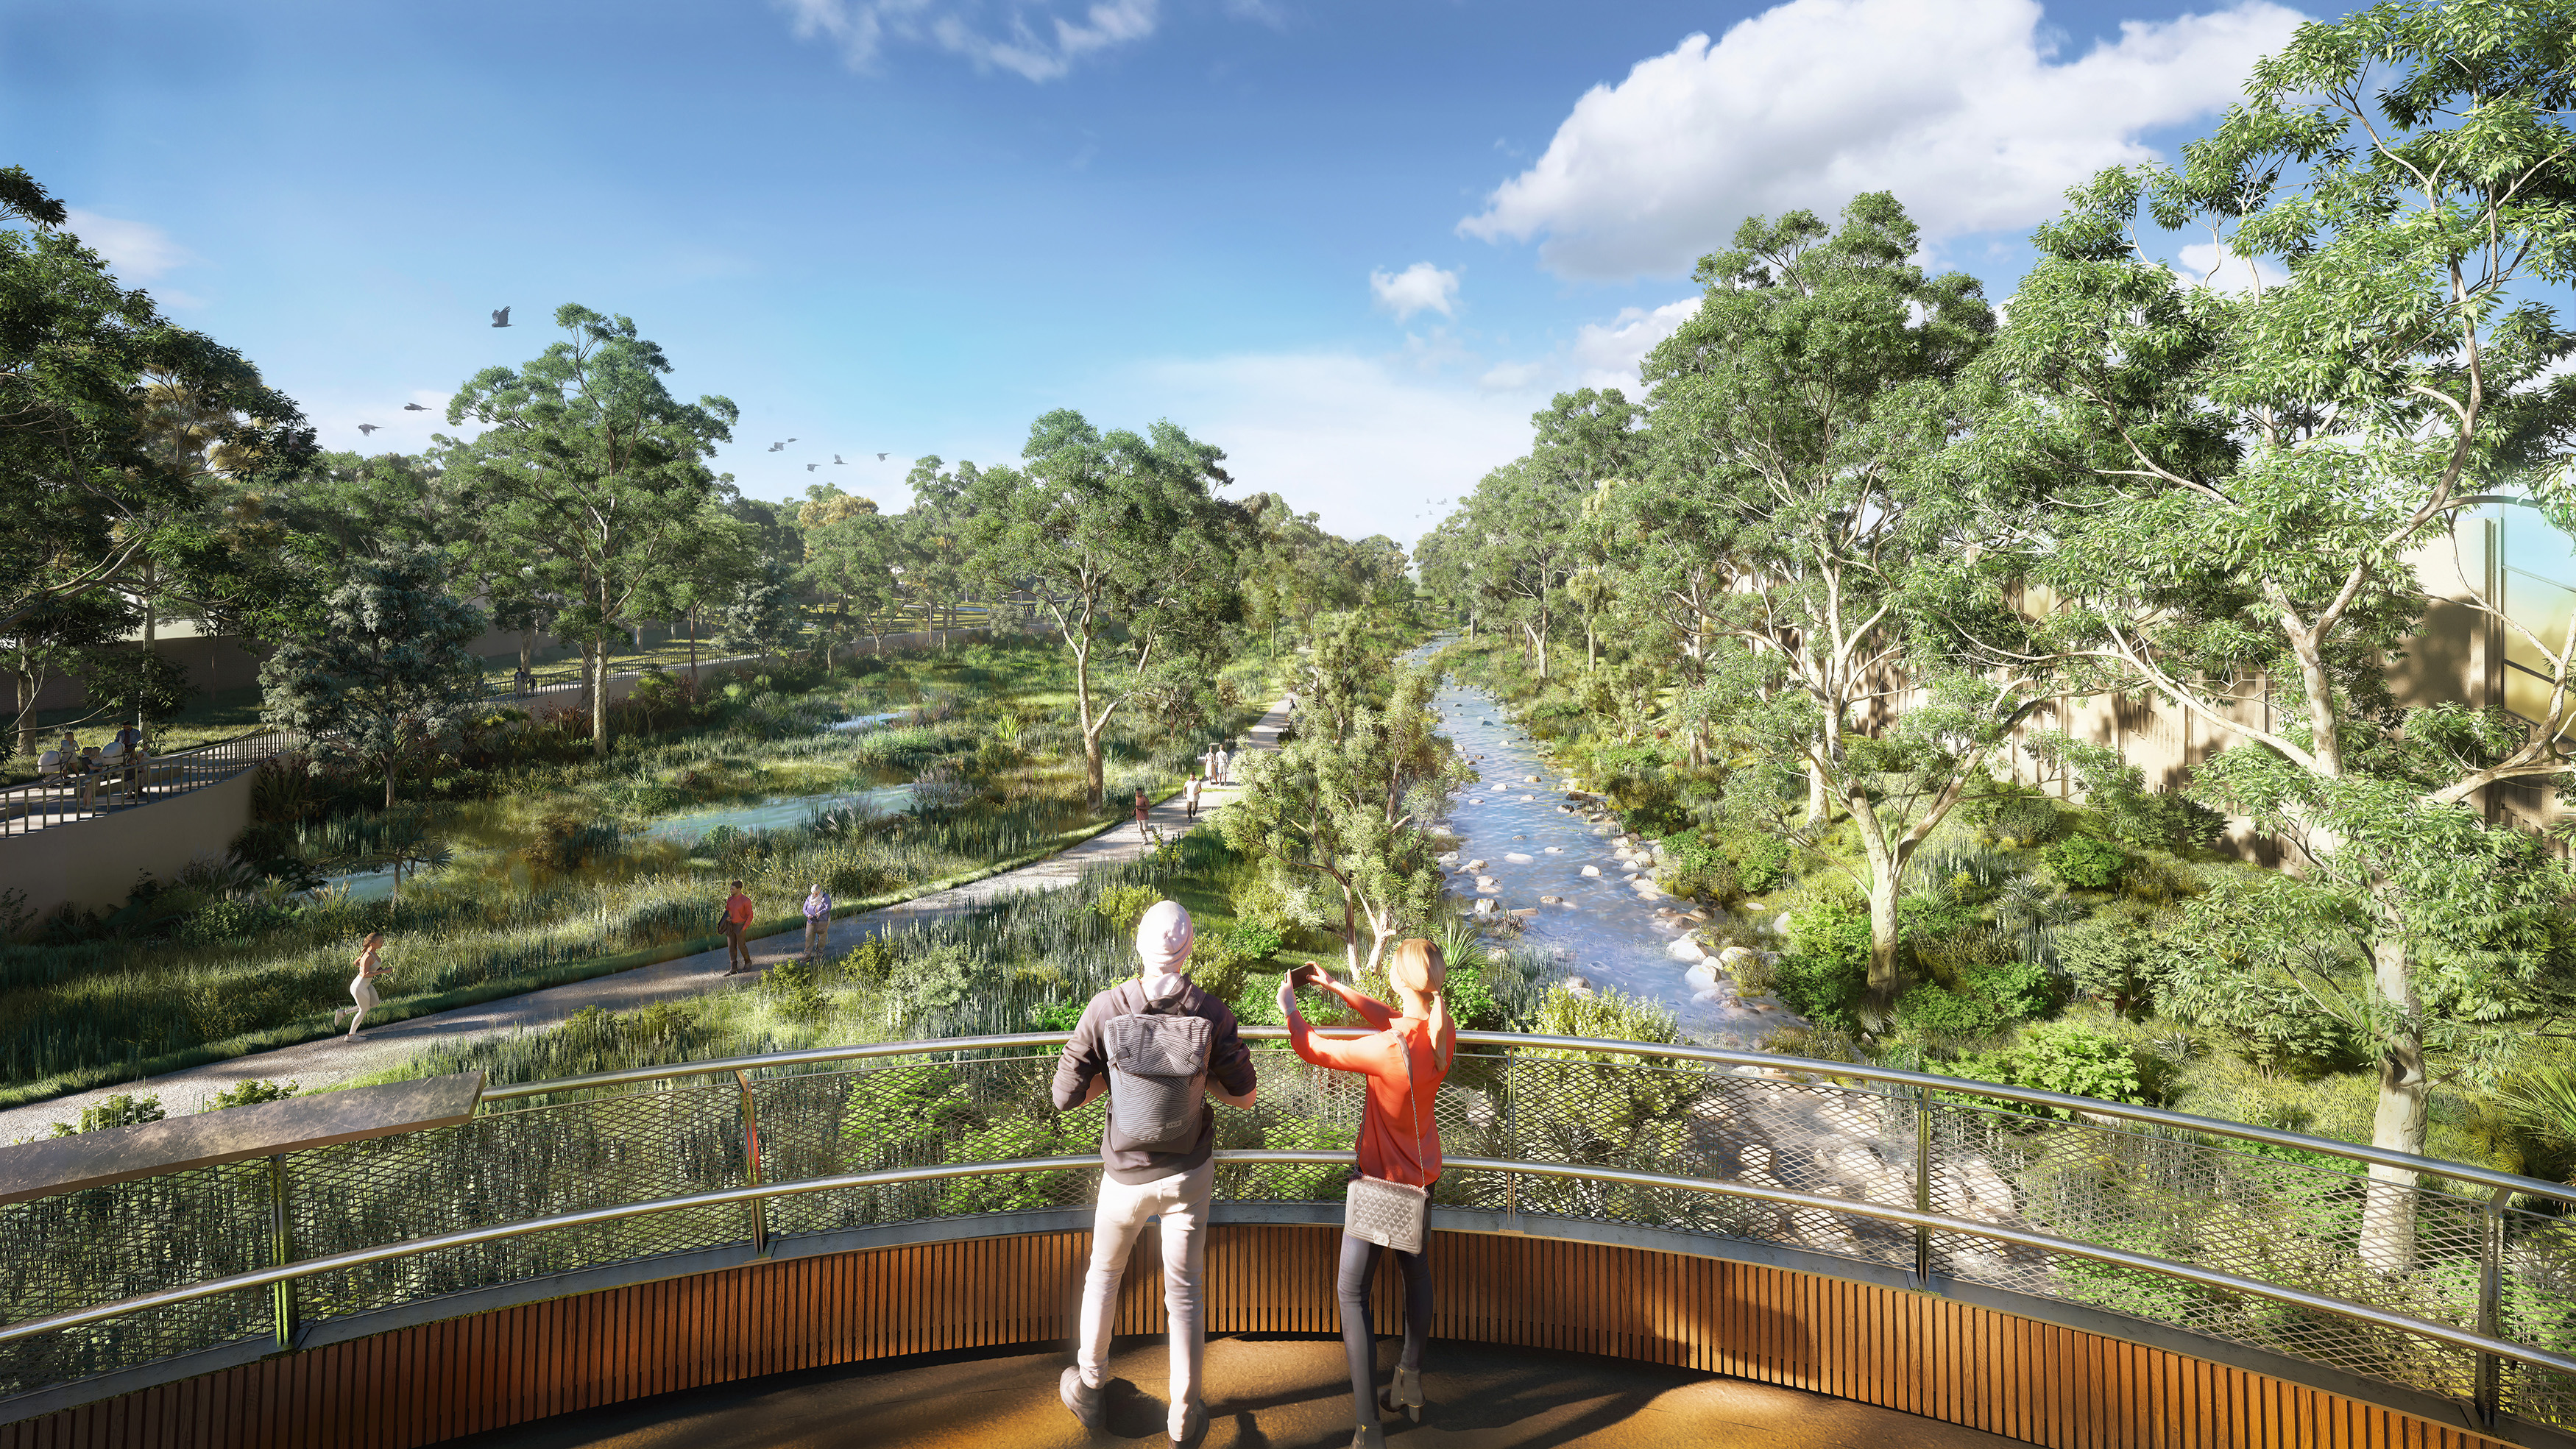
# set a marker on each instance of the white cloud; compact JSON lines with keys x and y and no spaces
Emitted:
{"x":1025,"y":37}
{"x":1610,"y":354}
{"x":138,"y":250}
{"x":2208,"y":266}
{"x":1960,"y":107}
{"x":1363,"y":441}
{"x":1511,"y":376}
{"x":1421,"y":287}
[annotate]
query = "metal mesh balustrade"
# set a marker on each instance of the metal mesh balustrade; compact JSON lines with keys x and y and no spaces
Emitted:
{"x":511,"y":1167}
{"x":2295,"y":1219}
{"x":109,"y":1243}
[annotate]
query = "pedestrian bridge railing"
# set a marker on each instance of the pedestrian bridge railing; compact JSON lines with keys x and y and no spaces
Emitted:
{"x":2430,"y":1283}
{"x":62,"y":799}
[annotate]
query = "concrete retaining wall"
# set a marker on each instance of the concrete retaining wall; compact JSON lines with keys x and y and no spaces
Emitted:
{"x":95,"y":862}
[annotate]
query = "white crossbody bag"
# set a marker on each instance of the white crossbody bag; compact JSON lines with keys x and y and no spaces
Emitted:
{"x":1391,"y":1214}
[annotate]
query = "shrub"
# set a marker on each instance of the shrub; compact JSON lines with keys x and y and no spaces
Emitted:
{"x":2076,"y":1060}
{"x":1761,"y":861}
{"x":1471,"y":1000}
{"x":1123,"y":906}
{"x":1694,"y":867}
{"x":2161,"y":820}
{"x":2083,"y":863}
{"x":2112,"y":960}
{"x":121,"y":1110}
{"x":250,"y":1094}
{"x":795,"y":988}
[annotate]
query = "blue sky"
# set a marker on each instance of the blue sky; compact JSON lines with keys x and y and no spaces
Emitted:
{"x":1353,"y":244}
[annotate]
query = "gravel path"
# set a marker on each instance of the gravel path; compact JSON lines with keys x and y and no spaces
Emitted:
{"x":331,"y":1061}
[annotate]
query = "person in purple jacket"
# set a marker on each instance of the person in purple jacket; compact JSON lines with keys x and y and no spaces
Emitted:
{"x":1138,"y":1183}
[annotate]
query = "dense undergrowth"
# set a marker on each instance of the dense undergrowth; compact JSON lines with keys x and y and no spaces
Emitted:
{"x":2039,"y":937}
{"x":548,"y":862}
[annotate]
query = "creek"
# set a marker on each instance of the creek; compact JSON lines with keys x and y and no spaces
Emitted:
{"x":1535,"y":840}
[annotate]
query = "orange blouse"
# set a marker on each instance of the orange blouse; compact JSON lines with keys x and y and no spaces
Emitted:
{"x":1387,"y":1125}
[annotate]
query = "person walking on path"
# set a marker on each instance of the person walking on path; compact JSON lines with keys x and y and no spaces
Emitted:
{"x":1156,"y":1150}
{"x":818,"y":922}
{"x":362,"y":990}
{"x":1190,"y":799}
{"x":1207,"y":764}
{"x":737,"y":929}
{"x":1404,"y":1062}
{"x":1142,"y":810}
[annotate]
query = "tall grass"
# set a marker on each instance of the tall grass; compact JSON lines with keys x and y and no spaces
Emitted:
{"x":521,"y":900}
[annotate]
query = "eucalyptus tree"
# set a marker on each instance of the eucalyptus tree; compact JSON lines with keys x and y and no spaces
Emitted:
{"x":938,"y":570}
{"x":1523,"y":524}
{"x":1797,"y":418}
{"x":2260,"y":481}
{"x":1338,"y":817}
{"x":385,"y":673}
{"x":586,"y":454}
{"x":853,"y":556}
{"x":1131,"y":553}
{"x":84,"y":489}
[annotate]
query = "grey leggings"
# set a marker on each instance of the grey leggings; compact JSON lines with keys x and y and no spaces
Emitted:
{"x":1359,"y":1336}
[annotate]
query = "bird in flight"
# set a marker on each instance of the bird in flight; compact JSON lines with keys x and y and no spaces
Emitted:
{"x":836,"y":461}
{"x":810,"y":467}
{"x":881,"y":457}
{"x":501,"y":318}
{"x":414,"y":408}
{"x":366,"y":427}
{"x":778,"y":447}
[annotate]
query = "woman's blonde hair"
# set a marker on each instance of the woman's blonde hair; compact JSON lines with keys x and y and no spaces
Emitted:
{"x":1417,"y":965}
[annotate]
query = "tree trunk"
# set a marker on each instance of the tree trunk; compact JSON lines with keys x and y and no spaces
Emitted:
{"x":693,"y":651}
{"x":1820,"y":806}
{"x":599,"y":699}
{"x":1883,"y":941}
{"x":528,"y":653}
{"x":1094,"y":787}
{"x":2397,"y":1123}
{"x":389,"y":781}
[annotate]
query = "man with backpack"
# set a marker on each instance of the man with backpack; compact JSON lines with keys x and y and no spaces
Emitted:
{"x":1159,"y":1046}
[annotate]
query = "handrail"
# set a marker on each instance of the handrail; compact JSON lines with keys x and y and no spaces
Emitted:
{"x":65,"y":799}
{"x":1765,"y":1061}
{"x":1937,"y":1222}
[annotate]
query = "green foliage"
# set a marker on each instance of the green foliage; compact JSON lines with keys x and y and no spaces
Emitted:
{"x":796,"y":987}
{"x":2083,"y":863}
{"x":1761,"y":861}
{"x":1470,"y":999}
{"x":935,"y":979}
{"x":384,"y":674}
{"x":2115,"y":960}
{"x":122,"y":1110}
{"x":2076,"y":1060}
{"x":1123,"y":906}
{"x":250,"y":1094}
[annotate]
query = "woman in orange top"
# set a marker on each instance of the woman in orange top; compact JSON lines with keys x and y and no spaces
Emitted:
{"x":1399,"y":1141}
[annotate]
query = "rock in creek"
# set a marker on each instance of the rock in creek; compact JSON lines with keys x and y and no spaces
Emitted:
{"x":1592,"y":870}
{"x":1514,"y":857}
{"x":1684,"y":948}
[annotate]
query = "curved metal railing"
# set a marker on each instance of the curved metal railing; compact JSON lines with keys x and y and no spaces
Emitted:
{"x":2242,"y":1235}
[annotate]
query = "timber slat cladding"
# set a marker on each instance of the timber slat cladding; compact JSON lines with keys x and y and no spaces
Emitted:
{"x":1906,"y":1351}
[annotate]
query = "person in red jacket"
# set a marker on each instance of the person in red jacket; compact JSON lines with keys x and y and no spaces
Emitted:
{"x":737,"y":929}
{"x":1399,"y":1142}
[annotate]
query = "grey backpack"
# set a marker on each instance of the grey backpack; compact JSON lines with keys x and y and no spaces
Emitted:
{"x":1158,"y":1059}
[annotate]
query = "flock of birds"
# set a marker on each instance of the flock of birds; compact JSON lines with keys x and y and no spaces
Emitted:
{"x":501,"y":318}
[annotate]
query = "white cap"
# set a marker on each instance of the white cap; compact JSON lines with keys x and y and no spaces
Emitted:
{"x":1164,"y":937}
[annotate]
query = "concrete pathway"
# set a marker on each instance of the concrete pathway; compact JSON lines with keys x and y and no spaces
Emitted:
{"x":1261,"y":1394}
{"x":332,"y":1060}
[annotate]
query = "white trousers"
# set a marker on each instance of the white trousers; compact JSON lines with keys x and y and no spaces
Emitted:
{"x":1181,"y":1200}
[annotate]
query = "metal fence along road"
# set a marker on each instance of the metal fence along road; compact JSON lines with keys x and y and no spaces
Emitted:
{"x":2460,"y":1286}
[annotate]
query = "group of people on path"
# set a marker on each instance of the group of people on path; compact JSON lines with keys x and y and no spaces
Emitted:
{"x":1158,"y":1164}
